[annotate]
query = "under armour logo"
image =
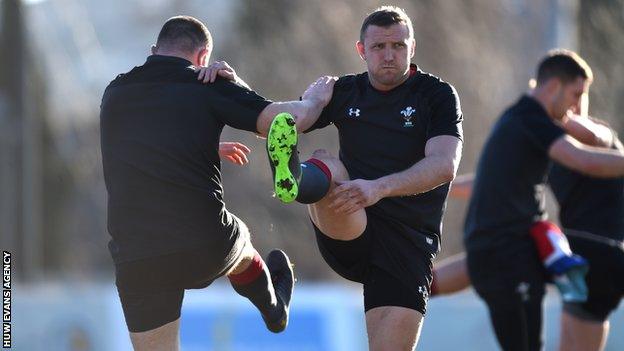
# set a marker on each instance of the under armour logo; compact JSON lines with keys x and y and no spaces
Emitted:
{"x":408,"y":111}
{"x":354,"y":111}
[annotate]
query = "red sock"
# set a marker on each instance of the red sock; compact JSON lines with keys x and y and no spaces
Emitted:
{"x":250,"y":274}
{"x":255,"y":284}
{"x":322,"y":166}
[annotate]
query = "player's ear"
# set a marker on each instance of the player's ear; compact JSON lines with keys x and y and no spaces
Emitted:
{"x":413,"y":40}
{"x":203,"y":56}
{"x":359,"y":46}
{"x":153,"y":49}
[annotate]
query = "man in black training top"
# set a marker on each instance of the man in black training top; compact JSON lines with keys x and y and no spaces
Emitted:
{"x":377,"y":210}
{"x":507,"y":197}
{"x":169,"y":226}
{"x":591,"y":212}
{"x":592,"y":216}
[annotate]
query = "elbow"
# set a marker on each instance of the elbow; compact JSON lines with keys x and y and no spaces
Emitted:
{"x":448,"y":172}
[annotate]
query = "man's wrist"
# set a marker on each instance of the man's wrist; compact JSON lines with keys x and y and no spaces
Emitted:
{"x":381,"y":187}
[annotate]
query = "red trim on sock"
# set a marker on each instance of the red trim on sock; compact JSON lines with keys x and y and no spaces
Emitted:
{"x":320,"y":164}
{"x":434,"y":285}
{"x":250,"y":274}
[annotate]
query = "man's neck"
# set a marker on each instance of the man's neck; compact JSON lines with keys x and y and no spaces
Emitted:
{"x":382,"y":87}
{"x":543,"y":99}
{"x":175,"y":54}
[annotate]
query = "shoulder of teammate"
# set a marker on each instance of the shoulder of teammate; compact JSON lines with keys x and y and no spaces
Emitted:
{"x":346,"y":86}
{"x":189,"y":75}
{"x":343,"y":88}
{"x":347,"y":82}
{"x":229,"y":89}
{"x":222,"y":83}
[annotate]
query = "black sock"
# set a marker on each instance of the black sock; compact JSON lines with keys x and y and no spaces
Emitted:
{"x":315,"y":181}
{"x":255,"y":284}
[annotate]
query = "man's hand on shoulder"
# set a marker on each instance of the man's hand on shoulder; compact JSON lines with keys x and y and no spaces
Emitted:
{"x":306,"y":111}
{"x":209,"y":73}
{"x":321,"y":90}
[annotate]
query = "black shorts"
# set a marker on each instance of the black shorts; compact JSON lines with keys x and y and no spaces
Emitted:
{"x":511,"y":280}
{"x":151,"y":290}
{"x":393,"y":270}
{"x":604,"y":283}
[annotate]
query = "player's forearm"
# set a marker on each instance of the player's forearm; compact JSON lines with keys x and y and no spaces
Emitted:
{"x":579,"y":132}
{"x":589,"y":160}
{"x":596,"y":162}
{"x":607,"y":164}
{"x":306,"y":112}
{"x":589,"y":132}
{"x":429,"y":173}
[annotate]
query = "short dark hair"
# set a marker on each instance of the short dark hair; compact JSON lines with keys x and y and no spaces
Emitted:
{"x":185,"y":34}
{"x":386,"y":16}
{"x":566,"y":65}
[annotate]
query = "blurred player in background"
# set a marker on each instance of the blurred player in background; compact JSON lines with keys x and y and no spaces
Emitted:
{"x":592,"y":216}
{"x":516,"y":313}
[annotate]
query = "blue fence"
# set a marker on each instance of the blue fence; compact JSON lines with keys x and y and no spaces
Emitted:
{"x":324,"y":317}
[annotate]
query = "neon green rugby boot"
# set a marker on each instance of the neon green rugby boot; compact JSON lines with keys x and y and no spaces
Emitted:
{"x":283,"y":157}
